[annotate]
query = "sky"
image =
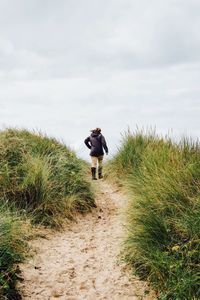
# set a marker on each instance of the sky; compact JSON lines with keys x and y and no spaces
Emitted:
{"x":68,"y":66}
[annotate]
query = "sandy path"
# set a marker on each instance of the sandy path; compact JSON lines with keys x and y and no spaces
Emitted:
{"x":82,"y":262}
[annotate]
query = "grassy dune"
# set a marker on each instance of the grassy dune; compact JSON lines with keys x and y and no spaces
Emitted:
{"x":42,"y":180}
{"x":163,"y":243}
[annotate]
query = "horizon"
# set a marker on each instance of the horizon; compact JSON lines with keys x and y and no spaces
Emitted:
{"x":86,"y":154}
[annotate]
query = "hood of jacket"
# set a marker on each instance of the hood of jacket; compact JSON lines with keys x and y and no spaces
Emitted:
{"x":94,"y":134}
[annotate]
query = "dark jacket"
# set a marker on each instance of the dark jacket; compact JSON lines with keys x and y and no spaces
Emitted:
{"x":96,"y":143}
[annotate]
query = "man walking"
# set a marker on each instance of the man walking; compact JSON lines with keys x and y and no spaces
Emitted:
{"x":97,"y":144}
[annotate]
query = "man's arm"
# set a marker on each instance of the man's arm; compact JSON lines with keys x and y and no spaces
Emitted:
{"x":103,"y":142}
{"x":87,"y":142}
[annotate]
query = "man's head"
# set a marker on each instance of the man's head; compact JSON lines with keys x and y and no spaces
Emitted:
{"x":96,"y":130}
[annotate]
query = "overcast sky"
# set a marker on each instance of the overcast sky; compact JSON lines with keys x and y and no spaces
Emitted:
{"x":68,"y":66}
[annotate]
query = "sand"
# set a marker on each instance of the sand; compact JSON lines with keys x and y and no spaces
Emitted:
{"x":83,"y":261}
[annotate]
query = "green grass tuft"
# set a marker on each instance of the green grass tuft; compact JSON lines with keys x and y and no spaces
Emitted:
{"x":42,"y":176}
{"x":12,"y":250}
{"x":163,"y":243}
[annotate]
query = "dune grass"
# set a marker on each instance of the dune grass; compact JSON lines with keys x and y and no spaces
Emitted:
{"x":163,"y":243}
{"x":41,"y":176}
{"x":12,"y":251}
{"x":42,"y":179}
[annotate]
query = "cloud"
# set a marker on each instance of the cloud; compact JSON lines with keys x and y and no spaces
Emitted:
{"x":74,"y":38}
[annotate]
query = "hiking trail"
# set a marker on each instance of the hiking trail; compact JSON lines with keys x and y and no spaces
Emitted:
{"x":82,"y":261}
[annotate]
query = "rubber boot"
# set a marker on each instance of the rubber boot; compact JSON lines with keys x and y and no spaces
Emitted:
{"x":100,"y":173}
{"x":93,"y":170}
